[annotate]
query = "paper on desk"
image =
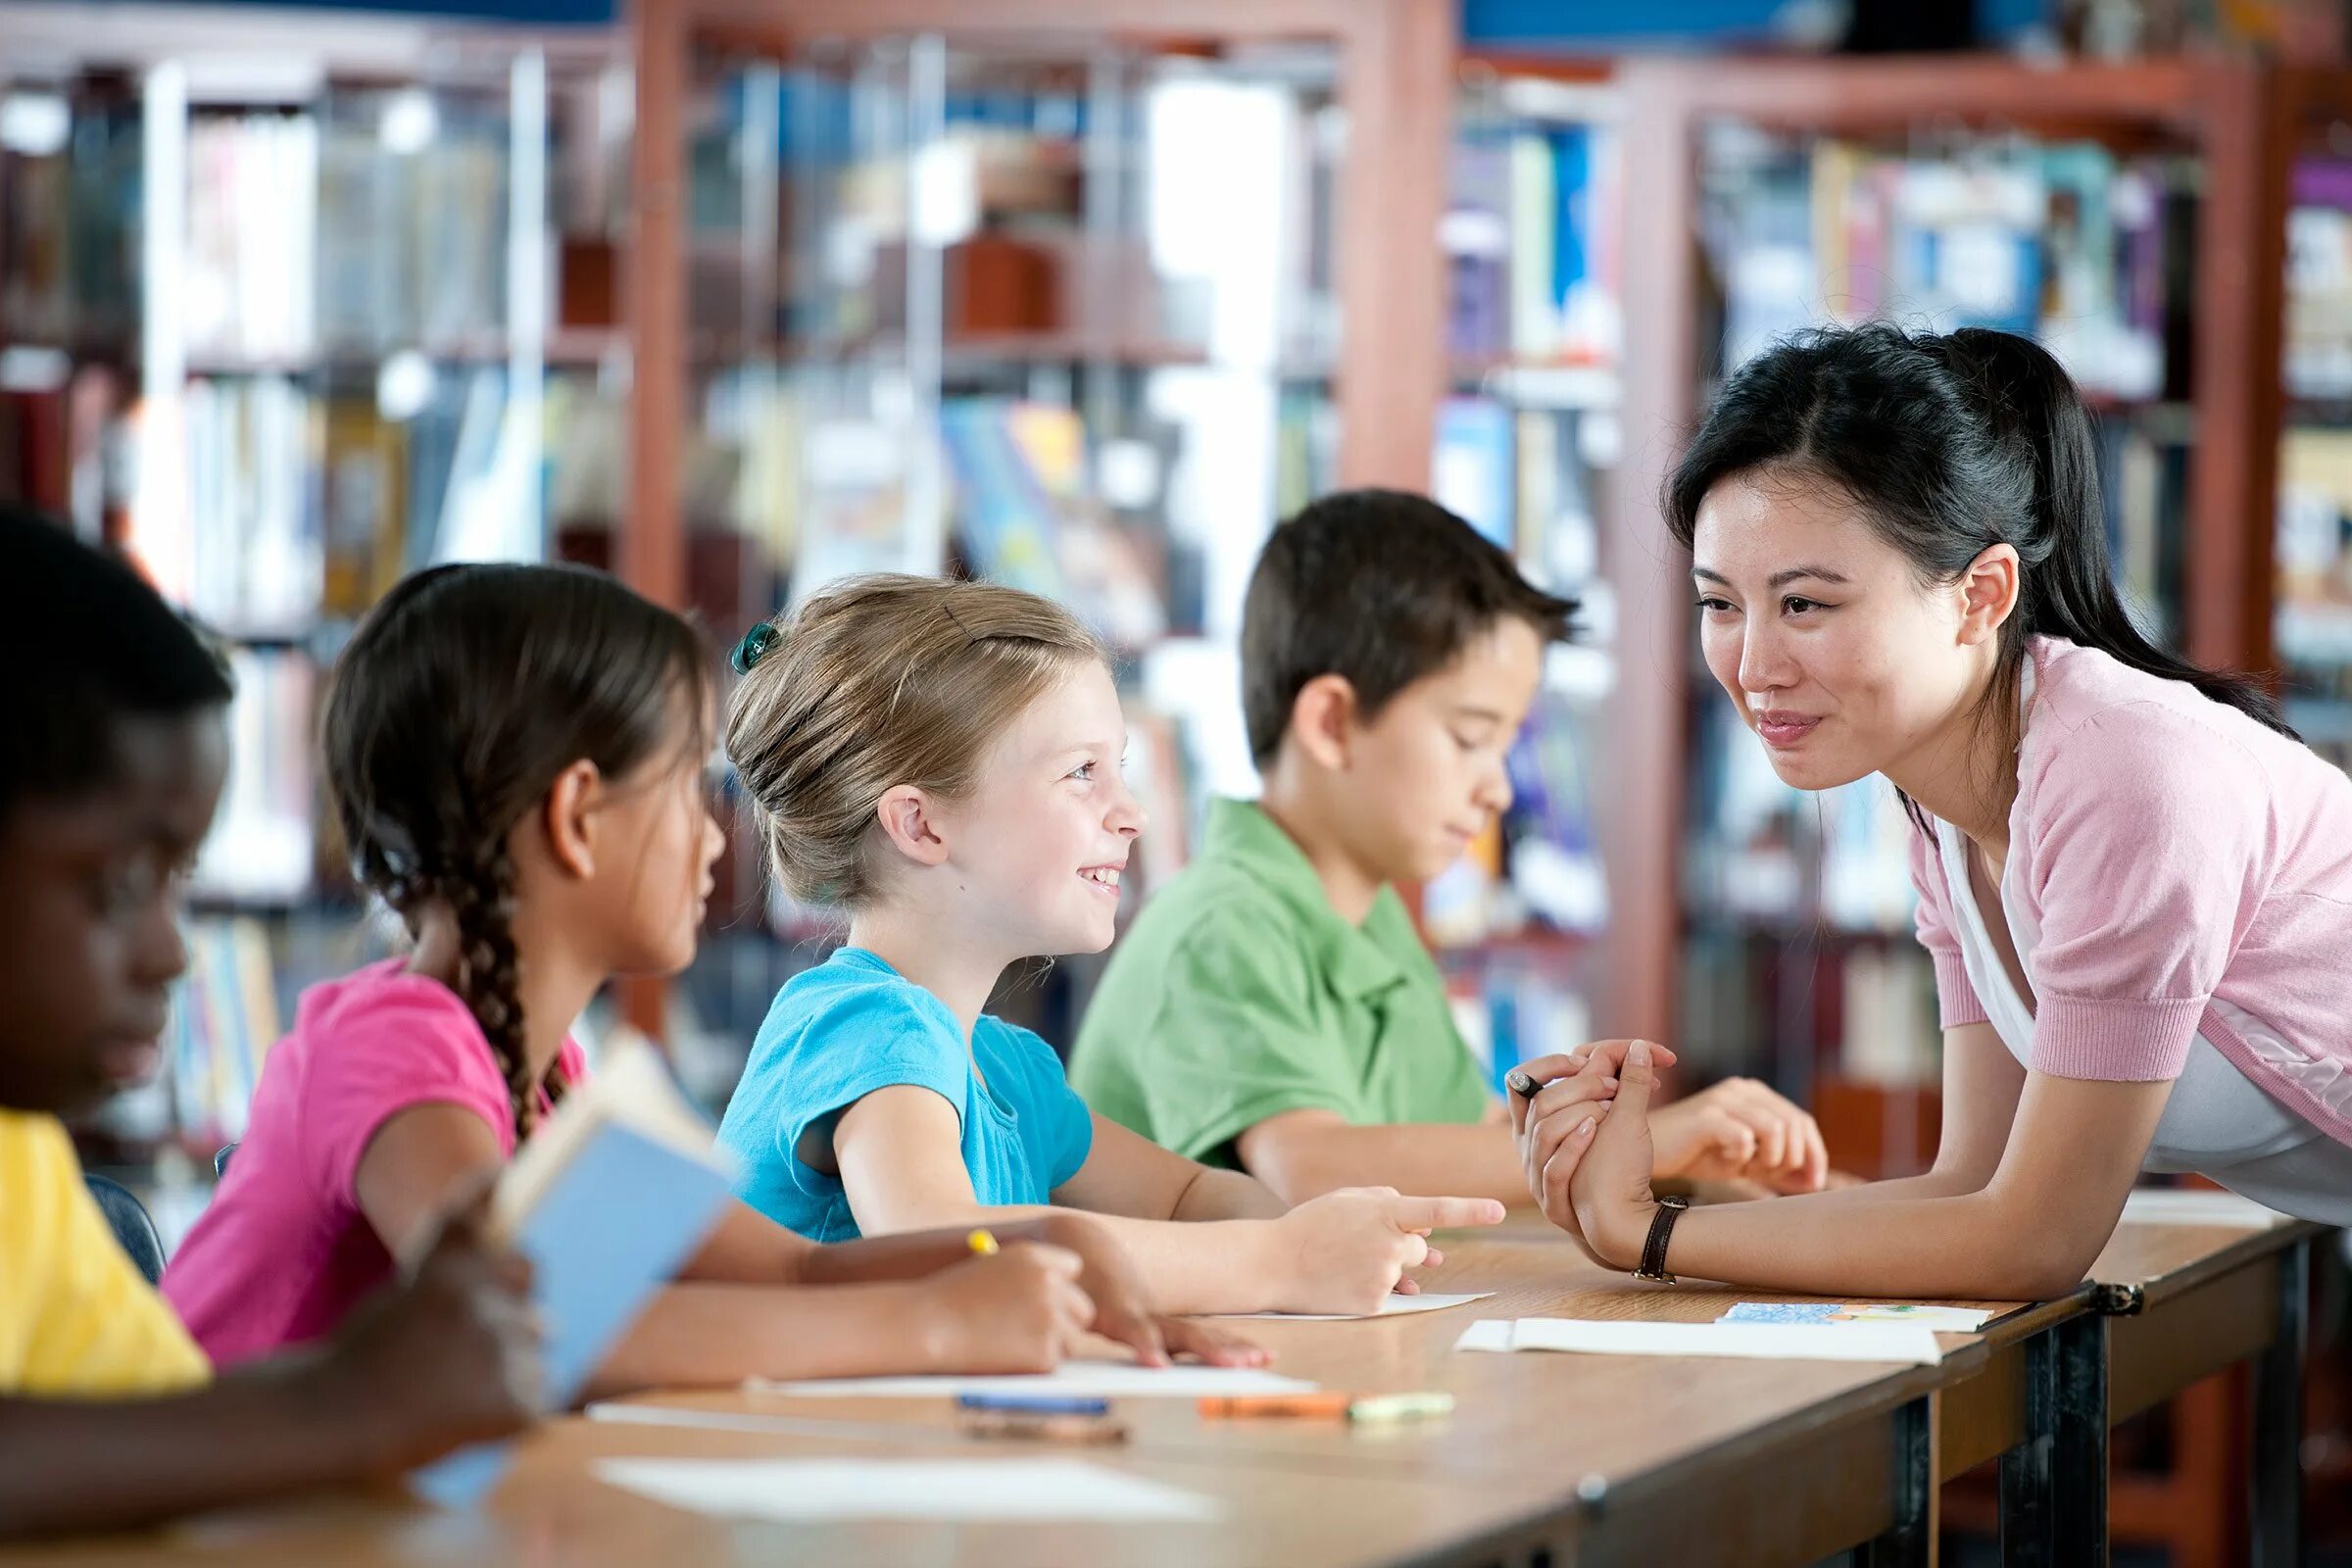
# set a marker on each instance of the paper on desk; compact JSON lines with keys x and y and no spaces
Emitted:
{"x":1905,"y":1343}
{"x":1393,"y":1306}
{"x":1943,"y":1319}
{"x":2193,"y":1205}
{"x":1078,"y":1380}
{"x":903,"y":1489}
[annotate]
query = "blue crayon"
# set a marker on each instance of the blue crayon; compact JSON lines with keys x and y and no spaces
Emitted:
{"x":1033,"y":1404}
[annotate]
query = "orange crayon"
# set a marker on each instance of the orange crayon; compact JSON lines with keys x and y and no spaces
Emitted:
{"x":1326,"y":1406}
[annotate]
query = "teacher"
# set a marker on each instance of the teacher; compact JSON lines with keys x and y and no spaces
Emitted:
{"x":2135,"y":881}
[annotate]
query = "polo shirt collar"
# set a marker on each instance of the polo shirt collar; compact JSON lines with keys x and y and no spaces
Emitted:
{"x":1352,"y":958}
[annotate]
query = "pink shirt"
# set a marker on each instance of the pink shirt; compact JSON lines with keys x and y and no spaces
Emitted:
{"x":2172,"y":853}
{"x":284,"y":1251}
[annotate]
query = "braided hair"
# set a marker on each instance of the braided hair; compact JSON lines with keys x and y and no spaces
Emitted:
{"x":458,"y":704}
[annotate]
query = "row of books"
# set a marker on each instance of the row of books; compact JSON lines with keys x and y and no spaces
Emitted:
{"x":1528,"y":480}
{"x":69,"y":221}
{"x":263,"y":848}
{"x":1798,"y":1007}
{"x":307,"y":235}
{"x":263,"y":504}
{"x":1511,"y":1013}
{"x":1531,"y":247}
{"x":2065,"y":242}
{"x":2313,"y":613}
{"x":2318,"y":347}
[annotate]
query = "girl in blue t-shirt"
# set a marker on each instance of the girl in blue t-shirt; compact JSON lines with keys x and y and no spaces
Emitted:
{"x":942,"y":760}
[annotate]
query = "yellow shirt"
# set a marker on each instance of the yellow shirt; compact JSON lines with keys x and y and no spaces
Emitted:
{"x":76,"y":1318}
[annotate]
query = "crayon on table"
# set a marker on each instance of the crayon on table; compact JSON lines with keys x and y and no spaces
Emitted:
{"x":1070,"y":1429}
{"x":1382,"y":1408}
{"x":1034,"y":1404}
{"x":1240,"y":1406}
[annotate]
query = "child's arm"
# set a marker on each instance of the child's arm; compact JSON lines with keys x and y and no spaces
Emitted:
{"x":1126,"y":1173}
{"x":700,"y":1332}
{"x":901,"y":1164}
{"x":449,"y":1358}
{"x":1303,"y":1154}
{"x":1022,"y":1310}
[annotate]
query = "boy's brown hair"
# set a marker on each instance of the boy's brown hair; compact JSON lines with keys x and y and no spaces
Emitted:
{"x":1382,"y":587}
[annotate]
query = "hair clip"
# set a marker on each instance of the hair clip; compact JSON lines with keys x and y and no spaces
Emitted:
{"x":754,"y":647}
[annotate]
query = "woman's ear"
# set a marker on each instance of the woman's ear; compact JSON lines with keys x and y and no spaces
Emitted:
{"x":909,"y":820}
{"x":568,"y":817}
{"x":1989,"y":590}
{"x":1323,"y":721}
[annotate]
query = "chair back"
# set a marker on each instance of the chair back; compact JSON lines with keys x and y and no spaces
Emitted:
{"x":132,"y":1227}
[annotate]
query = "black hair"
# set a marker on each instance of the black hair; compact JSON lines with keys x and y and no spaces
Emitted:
{"x":460,"y":699}
{"x":1382,"y":587}
{"x":85,"y":643}
{"x":1950,"y":444}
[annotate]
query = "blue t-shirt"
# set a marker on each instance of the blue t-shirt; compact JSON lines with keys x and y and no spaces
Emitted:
{"x":853,"y":1025}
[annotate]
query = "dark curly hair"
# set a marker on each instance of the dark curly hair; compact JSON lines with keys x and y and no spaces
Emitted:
{"x":85,"y":643}
{"x":459,"y":702}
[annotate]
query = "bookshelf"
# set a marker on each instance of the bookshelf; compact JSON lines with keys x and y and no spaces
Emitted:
{"x":1523,"y":445}
{"x":967,"y":286}
{"x":282,"y":315}
{"x":2192,"y":393}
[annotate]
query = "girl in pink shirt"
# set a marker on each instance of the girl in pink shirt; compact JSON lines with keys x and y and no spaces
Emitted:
{"x":2134,"y":882}
{"x":515,"y":758}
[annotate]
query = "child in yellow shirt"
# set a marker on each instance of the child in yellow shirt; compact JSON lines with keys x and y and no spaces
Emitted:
{"x":111,"y":767}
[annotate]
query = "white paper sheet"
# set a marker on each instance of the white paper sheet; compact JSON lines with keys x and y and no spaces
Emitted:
{"x":961,"y":1489}
{"x":1080,"y":1380}
{"x":1905,"y":1343}
{"x":805,"y":1426}
{"x":1393,"y":1306}
{"x":1486,"y":1334}
{"x":2195,"y":1206}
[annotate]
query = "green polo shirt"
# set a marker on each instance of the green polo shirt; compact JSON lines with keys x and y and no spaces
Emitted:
{"x":1239,"y":992}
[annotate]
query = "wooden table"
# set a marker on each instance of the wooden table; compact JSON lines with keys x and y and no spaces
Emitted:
{"x":2171,"y":1305}
{"x":1588,"y":1459}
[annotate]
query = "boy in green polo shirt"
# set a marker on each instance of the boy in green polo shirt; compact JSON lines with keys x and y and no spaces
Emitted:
{"x":1273,"y":1007}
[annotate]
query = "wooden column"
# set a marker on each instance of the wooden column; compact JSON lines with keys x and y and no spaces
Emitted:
{"x":1396,"y":89}
{"x":652,"y":547}
{"x":2246,"y":117}
{"x":1644,"y":763}
{"x":651,"y":554}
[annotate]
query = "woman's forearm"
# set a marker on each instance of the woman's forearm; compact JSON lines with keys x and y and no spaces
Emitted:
{"x":1968,"y":1246}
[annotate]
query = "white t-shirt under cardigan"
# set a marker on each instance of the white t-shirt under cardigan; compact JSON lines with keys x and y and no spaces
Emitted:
{"x":2179,"y":892}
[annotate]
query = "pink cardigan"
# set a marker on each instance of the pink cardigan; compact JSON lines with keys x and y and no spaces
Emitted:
{"x":2172,"y":853}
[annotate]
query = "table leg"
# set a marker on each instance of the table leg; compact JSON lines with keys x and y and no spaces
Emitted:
{"x":1911,"y":1541}
{"x":2275,"y":1507}
{"x":2054,"y":1484}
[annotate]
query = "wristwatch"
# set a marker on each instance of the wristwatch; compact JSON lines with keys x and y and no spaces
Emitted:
{"x":1653,"y":1250}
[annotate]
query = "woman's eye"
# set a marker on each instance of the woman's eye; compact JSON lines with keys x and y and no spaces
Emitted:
{"x":1714,"y":605}
{"x":1795,"y":606}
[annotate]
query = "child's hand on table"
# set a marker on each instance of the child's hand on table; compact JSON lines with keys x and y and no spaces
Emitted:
{"x":1346,"y":1251}
{"x":1741,"y":1130}
{"x":450,"y":1355}
{"x":1018,"y":1310}
{"x":1123,"y":1308}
